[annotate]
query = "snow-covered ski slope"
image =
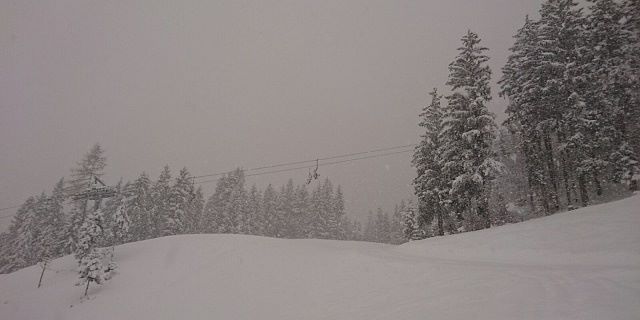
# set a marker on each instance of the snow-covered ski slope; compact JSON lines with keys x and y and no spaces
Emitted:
{"x":583,"y":264}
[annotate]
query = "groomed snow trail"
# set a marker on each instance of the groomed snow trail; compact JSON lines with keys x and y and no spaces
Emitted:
{"x":583,"y":264}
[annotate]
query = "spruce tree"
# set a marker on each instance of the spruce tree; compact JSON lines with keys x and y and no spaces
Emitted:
{"x":255,"y":219}
{"x":469,"y":130}
{"x":338,"y":220}
{"x":411,"y":221}
{"x":430,"y":185}
{"x":286,"y":199}
{"x":24,"y":235}
{"x":608,"y":123}
{"x":270,"y":212}
{"x":226,"y":204}
{"x":521,"y":84}
{"x":301,"y":212}
{"x":138,"y":207}
{"x":88,"y":254}
{"x":181,"y":217}
{"x":160,"y":198}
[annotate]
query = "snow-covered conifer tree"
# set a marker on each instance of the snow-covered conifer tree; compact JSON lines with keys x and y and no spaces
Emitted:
{"x":412,"y":228}
{"x":89,"y":255}
{"x":469,"y":131}
{"x":160,"y":198}
{"x":227,"y":202}
{"x":138,"y":207}
{"x":431,"y":186}
{"x":253,"y":213}
{"x":179,"y":219}
{"x":270,"y":211}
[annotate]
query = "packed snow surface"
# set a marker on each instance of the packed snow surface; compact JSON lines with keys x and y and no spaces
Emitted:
{"x":583,"y":264}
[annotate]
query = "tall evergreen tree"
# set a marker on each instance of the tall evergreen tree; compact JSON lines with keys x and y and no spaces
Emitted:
{"x":286,"y":199}
{"x":24,"y":236}
{"x":337,"y":223}
{"x":226,"y":204}
{"x":430,"y":185}
{"x":255,"y":219}
{"x":270,"y":212}
{"x":607,"y":122}
{"x":469,"y":131}
{"x":412,"y":230}
{"x":181,"y":217}
{"x":57,"y":218}
{"x":138,"y":206}
{"x":89,"y":256}
{"x":521,"y":83}
{"x":160,"y":198}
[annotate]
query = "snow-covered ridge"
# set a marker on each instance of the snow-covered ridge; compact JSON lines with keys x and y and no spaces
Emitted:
{"x":583,"y":264}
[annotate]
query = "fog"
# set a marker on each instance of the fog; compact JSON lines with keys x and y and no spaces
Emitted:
{"x":213,"y":85}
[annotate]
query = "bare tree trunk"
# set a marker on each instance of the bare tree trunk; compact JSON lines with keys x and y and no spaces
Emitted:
{"x":596,"y":180}
{"x":44,"y":267}
{"x":87,"y":287}
{"x":551,"y":171}
{"x":483,"y":213}
{"x":565,"y":175}
{"x":440,"y":222}
{"x":544,"y":199}
{"x":584,"y":195}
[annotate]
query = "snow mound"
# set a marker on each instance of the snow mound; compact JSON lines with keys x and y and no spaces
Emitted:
{"x":584,"y":264}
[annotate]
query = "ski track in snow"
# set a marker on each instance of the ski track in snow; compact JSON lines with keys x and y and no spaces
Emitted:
{"x":583,"y":264}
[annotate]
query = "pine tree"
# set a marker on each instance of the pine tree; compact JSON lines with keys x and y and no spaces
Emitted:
{"x":369,"y":232}
{"x":89,"y":256}
{"x":397,"y":224}
{"x":47,"y":218}
{"x":286,"y":199}
{"x":338,"y":220}
{"x":321,"y":210}
{"x":412,"y":228}
{"x":116,"y":221}
{"x":197,"y":207}
{"x":469,"y":131}
{"x":160,"y":199}
{"x":139,"y":208}
{"x":430,"y":185}
{"x":226,"y":204}
{"x":521,"y":83}
{"x":255,"y":223}
{"x":181,"y":217}
{"x":301,"y":212}
{"x":631,"y":9}
{"x":606,"y":123}
{"x":57,"y":218}
{"x":270,"y":211}
{"x":6,"y":252}
{"x":511,"y":185}
{"x":24,"y":235}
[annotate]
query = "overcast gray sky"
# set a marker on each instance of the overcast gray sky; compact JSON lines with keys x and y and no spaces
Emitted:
{"x":212,"y":85}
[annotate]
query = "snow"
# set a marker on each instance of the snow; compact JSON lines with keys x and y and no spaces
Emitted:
{"x":584,"y":264}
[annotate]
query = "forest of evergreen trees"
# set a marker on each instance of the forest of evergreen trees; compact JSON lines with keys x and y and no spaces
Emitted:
{"x":52,"y":225}
{"x":572,"y":132}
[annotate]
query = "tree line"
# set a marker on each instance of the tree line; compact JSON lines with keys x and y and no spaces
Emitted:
{"x":49,"y":226}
